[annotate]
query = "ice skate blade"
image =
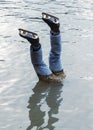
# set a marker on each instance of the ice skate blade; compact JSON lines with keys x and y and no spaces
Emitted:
{"x":28,"y":34}
{"x":50,"y":17}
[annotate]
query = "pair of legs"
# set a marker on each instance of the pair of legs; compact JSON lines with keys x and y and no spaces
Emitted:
{"x":55,"y":70}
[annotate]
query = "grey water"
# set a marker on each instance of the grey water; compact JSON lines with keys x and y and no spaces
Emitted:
{"x":26,"y":103}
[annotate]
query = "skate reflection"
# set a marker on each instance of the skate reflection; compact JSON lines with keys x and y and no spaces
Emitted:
{"x":44,"y":105}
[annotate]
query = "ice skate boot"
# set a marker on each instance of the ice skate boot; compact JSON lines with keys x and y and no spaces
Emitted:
{"x":30,"y":36}
{"x":52,"y":21}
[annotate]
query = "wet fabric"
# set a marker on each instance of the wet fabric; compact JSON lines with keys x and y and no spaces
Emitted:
{"x":54,"y":57}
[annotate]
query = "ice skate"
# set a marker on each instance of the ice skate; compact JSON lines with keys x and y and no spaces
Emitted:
{"x":30,"y":36}
{"x":52,"y":21}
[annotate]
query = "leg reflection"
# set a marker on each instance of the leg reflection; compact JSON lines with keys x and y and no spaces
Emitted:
{"x":43,"y":105}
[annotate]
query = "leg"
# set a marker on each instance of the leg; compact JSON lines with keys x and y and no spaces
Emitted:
{"x":56,"y":44}
{"x":55,"y":53}
{"x":42,"y":70}
{"x":37,"y":60}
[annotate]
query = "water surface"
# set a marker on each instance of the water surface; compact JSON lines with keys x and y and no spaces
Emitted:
{"x":25,"y":103}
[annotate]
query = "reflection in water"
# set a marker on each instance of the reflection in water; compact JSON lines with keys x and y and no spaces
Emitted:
{"x":44,"y":105}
